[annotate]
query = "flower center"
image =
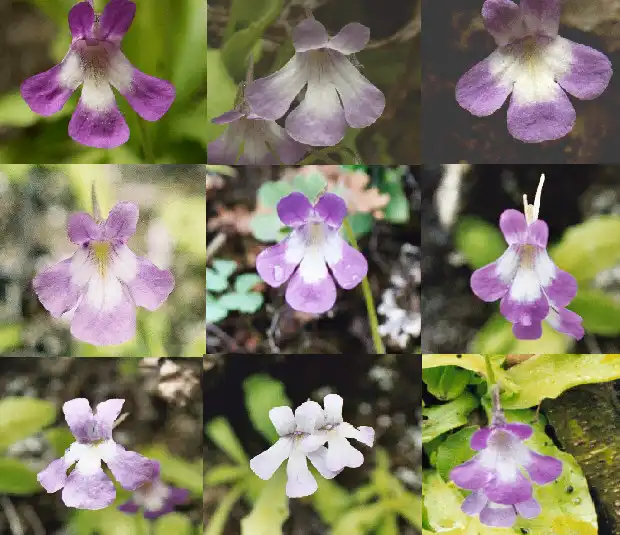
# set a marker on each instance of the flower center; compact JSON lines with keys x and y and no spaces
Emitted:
{"x":316,"y":234}
{"x":527,"y":257}
{"x":94,"y":57}
{"x":101,"y":252}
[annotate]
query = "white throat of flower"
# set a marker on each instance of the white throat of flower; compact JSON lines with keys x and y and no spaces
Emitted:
{"x":531,"y":210}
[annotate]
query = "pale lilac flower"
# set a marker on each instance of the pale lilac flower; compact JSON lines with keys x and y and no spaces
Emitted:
{"x":96,"y":61}
{"x":537,"y":66}
{"x":293,"y":429}
{"x":251,"y":140}
{"x":336,"y":432}
{"x":155,"y":498}
{"x":531,"y":287}
{"x":336,"y":93}
{"x":104,"y":281}
{"x":495,"y":474}
{"x":303,"y":257}
{"x":87,"y":486}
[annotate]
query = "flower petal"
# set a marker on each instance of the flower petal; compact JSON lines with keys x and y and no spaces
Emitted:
{"x":332,"y":209}
{"x":542,"y":468}
{"x":130,"y":469}
{"x":541,"y":16}
{"x":151,"y":286}
{"x":499,"y":516}
{"x":300,"y":481}
{"x":309,"y":34}
{"x":352,"y":38}
{"x":228,"y":117}
{"x":80,"y":419}
{"x":178,"y":496}
{"x":471,"y":475}
{"x":54,"y":477}
{"x":271,"y":97}
{"x":106,"y":315}
{"x":319,"y":120}
{"x":485,"y":87}
{"x":363,"y":103}
{"x":533,"y":121}
{"x":589,"y":74}
{"x":287,"y":149}
{"x":121,"y":222}
{"x":523,"y":431}
{"x":525,"y":303}
{"x":532,"y":331}
{"x":276,"y":264}
{"x":333,"y":409}
{"x":283,"y":420}
{"x":492,"y":281}
{"x":88,"y":491}
{"x":129,"y":507}
{"x":528,"y":509}
{"x":313,"y":293}
{"x":538,"y":234}
{"x":309,"y":417}
{"x":347,"y":264}
{"x":502,"y":19}
{"x":46,"y":93}
{"x":150,"y":97}
{"x":319,"y":460}
{"x":106,"y":414}
{"x":567,"y":322}
{"x":479,"y":439}
{"x":509,"y":485}
{"x":265,"y":464}
{"x":294,"y":209}
{"x":341,"y":454}
{"x":81,"y":228}
{"x":513,"y":226}
{"x":81,"y":20}
{"x":55,"y":288}
{"x":562,"y":288}
{"x":474,"y":503}
{"x":225,"y":149}
{"x":97,"y":121}
{"x":116,"y":19}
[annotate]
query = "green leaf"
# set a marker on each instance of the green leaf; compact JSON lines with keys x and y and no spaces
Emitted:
{"x":330,"y":500}
{"x":243,"y":302}
{"x":244,"y":283}
{"x":361,"y":223}
{"x":270,"y":509}
{"x":11,"y":336}
{"x":270,"y":193}
{"x":221,"y":90}
{"x":478,"y":241}
{"x":214,"y":310}
{"x":17,"y":478}
{"x":389,"y":525}
{"x":589,"y":248}
{"x":547,"y":376}
{"x":225,"y":268}
{"x":186,"y":219}
{"x":600,"y":311}
{"x":311,"y":185}
{"x":215,"y":281}
{"x":217,"y":522}
{"x":221,"y":434}
{"x":173,"y":523}
{"x":360,"y":520}
{"x":14,"y":112}
{"x":442,"y":418}
{"x":225,"y":473}
{"x":236,"y":50}
{"x":397,"y":210}
{"x":263,"y":393}
{"x":21,"y":417}
{"x":454,"y":450}
{"x":267,"y":228}
{"x":447,"y":382}
{"x":179,"y":472}
{"x":60,"y":438}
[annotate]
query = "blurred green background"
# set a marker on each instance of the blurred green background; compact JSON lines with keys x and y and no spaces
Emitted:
{"x":167,"y":40}
{"x":164,"y":420}
{"x":35,"y":202}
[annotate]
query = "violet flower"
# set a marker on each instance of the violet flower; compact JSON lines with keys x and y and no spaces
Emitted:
{"x":531,"y":287}
{"x":155,"y":498}
{"x":95,"y":61}
{"x":495,"y":473}
{"x":104,"y":281}
{"x":336,"y":95}
{"x":303,"y":257}
{"x":293,"y":429}
{"x":87,"y":486}
{"x":537,"y":66}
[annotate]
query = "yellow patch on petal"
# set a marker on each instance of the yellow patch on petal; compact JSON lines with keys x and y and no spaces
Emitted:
{"x":101,"y":251}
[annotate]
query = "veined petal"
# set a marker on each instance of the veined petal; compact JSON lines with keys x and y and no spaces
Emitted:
{"x":474,"y":503}
{"x":294,"y":209}
{"x":485,"y":87}
{"x":347,"y":264}
{"x":332,"y":209}
{"x":311,"y":289}
{"x":300,"y":481}
{"x":502,"y":19}
{"x":97,"y":121}
{"x":121,"y":222}
{"x":566,"y":321}
{"x":276,"y":264}
{"x":150,"y":286}
{"x":498,"y":516}
{"x":352,"y":38}
{"x":319,"y":460}
{"x":309,"y":34}
{"x":46,"y":93}
{"x":471,"y":475}
{"x":492,"y":281}
{"x":116,"y":19}
{"x":589,"y":72}
{"x":106,"y":315}
{"x":80,"y":419}
{"x":81,"y":20}
{"x":560,"y":286}
{"x":319,"y":120}
{"x":225,"y":149}
{"x":525,"y":303}
{"x":106,"y":414}
{"x":265,"y":464}
{"x":542,"y":468}
{"x":130,"y":469}
{"x":56,"y":289}
{"x":228,"y":117}
{"x":541,"y":16}
{"x":271,"y":97}
{"x":88,"y":491}
{"x":283,"y":420}
{"x":309,"y":417}
{"x":287,"y":149}
{"x":54,"y":477}
{"x":509,"y":485}
{"x":81,"y":228}
{"x":363,"y":103}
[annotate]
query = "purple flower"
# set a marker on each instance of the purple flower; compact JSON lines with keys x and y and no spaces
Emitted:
{"x":336,"y":95}
{"x":531,"y":287}
{"x":87,"y":486}
{"x":155,"y":498}
{"x":104,"y":281}
{"x":252,"y":140}
{"x":303,"y":257}
{"x":96,"y":61}
{"x":495,"y":474}
{"x":537,"y":66}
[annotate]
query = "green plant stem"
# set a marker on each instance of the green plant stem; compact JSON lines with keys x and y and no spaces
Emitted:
{"x":147,"y":149}
{"x":490,"y":372}
{"x":370,"y":302}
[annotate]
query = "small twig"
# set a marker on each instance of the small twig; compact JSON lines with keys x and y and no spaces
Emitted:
{"x":31,"y":515}
{"x":15,"y":524}
{"x":215,"y":245}
{"x":232,"y":344}
{"x":274,"y":331}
